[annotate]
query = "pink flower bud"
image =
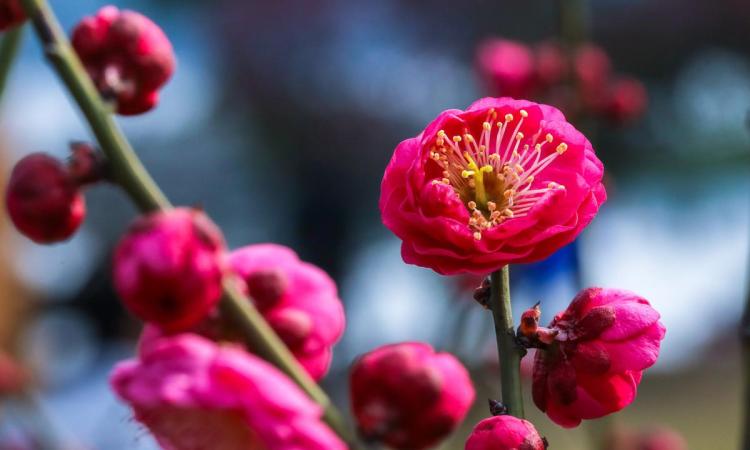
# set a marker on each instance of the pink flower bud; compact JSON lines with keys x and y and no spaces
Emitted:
{"x":168,"y":268}
{"x":507,"y":67}
{"x":504,"y":181}
{"x":299,"y":300}
{"x":551,"y":63}
{"x":127,"y":55}
{"x":592,"y":67}
{"x":505,"y":433}
{"x":11,"y":14}
{"x":408,"y":396}
{"x":192,"y":393}
{"x":43,"y":200}
{"x":626,"y":101}
{"x":606,"y":338}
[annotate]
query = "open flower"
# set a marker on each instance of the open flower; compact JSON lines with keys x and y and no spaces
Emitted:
{"x":409,"y":397}
{"x":127,"y":55}
{"x":193,"y":394}
{"x":505,"y":433}
{"x":299,"y":300}
{"x":604,"y":341}
{"x":505,"y":181}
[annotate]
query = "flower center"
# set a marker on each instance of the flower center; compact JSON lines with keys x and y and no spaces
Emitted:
{"x":493,"y":175}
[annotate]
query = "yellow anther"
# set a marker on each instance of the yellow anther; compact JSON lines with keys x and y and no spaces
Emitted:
{"x":561,"y":148}
{"x":519,"y":168}
{"x":456,"y":139}
{"x":487,"y":126}
{"x":509,"y":117}
{"x":467,"y":173}
{"x":549,"y":138}
{"x":442,"y":134}
{"x":509,"y":193}
{"x":472,"y":205}
{"x":519,"y":136}
{"x":491,"y":206}
{"x":477,"y":235}
{"x":446,"y":181}
{"x":530,"y":179}
{"x":524,"y":113}
{"x":508,"y":213}
{"x":487,"y":169}
{"x":538,"y":148}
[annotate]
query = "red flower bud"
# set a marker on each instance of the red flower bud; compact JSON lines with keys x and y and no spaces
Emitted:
{"x":505,"y":433}
{"x":11,"y":14}
{"x":626,"y":101}
{"x":551,"y":63}
{"x":507,"y":67}
{"x":408,"y":396}
{"x":606,"y":339}
{"x":168,"y":268}
{"x":592,"y":66}
{"x":43,"y":200}
{"x":127,"y":55}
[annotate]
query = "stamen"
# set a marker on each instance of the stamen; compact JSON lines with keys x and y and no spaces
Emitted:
{"x":500,"y":178}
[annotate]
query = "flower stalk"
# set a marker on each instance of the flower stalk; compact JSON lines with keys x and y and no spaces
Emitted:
{"x":508,"y":349}
{"x":128,"y":172}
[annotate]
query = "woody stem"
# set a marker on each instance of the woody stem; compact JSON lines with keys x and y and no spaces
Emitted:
{"x":508,"y":350}
{"x":128,"y":171}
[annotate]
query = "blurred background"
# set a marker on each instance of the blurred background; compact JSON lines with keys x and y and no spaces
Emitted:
{"x":279,"y":122}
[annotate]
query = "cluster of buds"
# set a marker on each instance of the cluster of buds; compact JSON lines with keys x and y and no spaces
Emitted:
{"x":579,"y":80}
{"x":44,"y":197}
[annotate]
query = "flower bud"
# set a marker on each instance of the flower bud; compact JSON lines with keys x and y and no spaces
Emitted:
{"x":507,"y":67}
{"x":606,"y":339}
{"x":168,"y":268}
{"x":43,"y":201}
{"x":505,"y":433}
{"x":626,"y":101}
{"x":551,"y":63}
{"x":299,"y":300}
{"x":409,"y":397}
{"x":11,"y":14}
{"x":127,"y":55}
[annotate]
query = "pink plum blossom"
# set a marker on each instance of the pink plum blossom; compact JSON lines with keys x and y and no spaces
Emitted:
{"x":605,"y":340}
{"x":504,"y":181}
{"x":299,"y":300}
{"x":194,"y":394}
